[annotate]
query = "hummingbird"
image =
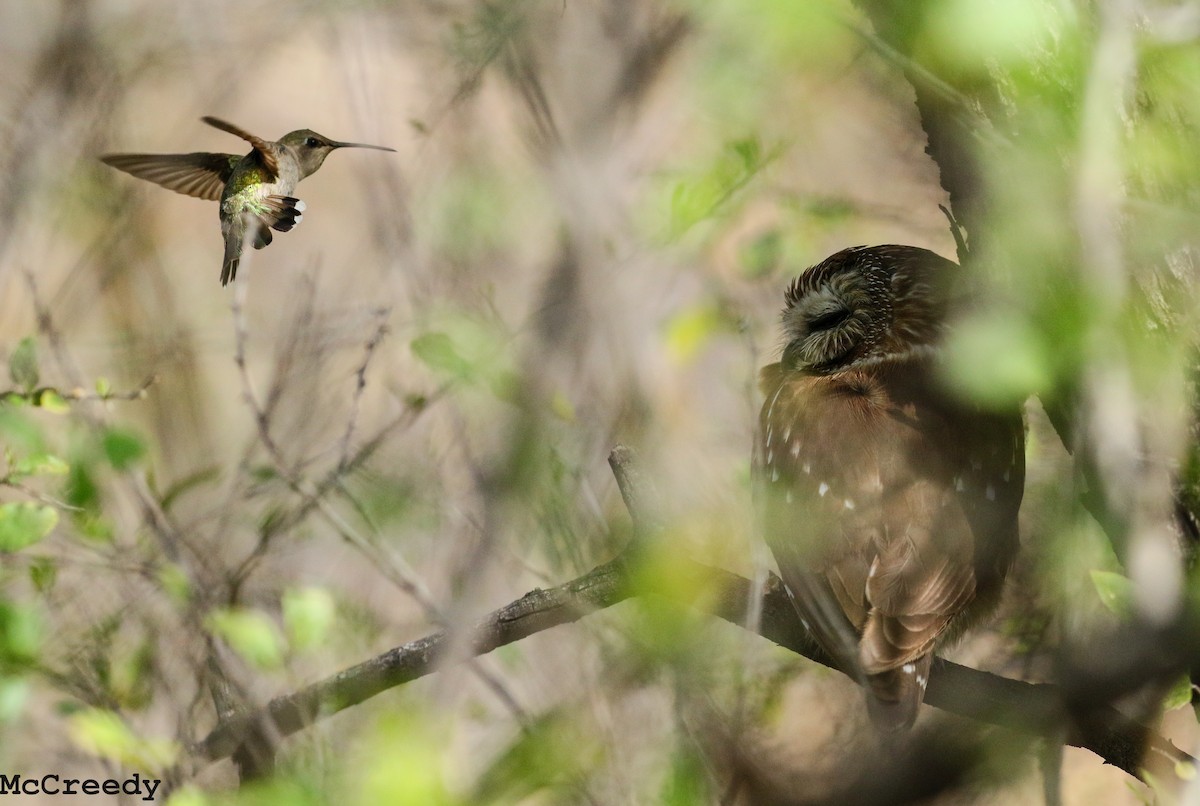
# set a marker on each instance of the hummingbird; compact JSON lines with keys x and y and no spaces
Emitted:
{"x":255,"y":191}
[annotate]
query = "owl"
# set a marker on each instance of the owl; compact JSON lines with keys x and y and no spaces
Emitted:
{"x":889,"y":503}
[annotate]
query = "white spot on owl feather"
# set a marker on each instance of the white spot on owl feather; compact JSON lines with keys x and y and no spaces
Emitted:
{"x":789,"y":497}
{"x":770,"y":455}
{"x":796,"y":451}
{"x":958,"y":484}
{"x":848,"y":504}
{"x":824,"y":488}
{"x":771,"y":409}
{"x":807,"y":468}
{"x":990,"y":493}
{"x":774,"y":474}
{"x":908,"y":668}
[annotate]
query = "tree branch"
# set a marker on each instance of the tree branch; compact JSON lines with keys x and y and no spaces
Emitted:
{"x":1038,"y":709}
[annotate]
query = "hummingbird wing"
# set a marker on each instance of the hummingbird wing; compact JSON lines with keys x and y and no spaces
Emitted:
{"x":200,"y":174}
{"x":265,"y":152}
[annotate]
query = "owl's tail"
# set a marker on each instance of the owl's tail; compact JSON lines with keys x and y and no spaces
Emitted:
{"x":895,"y":696}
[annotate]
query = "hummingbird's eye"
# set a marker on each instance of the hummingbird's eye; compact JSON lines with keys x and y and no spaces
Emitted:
{"x":312,"y":142}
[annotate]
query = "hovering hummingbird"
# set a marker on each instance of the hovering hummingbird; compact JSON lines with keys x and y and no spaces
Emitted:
{"x":255,"y":191}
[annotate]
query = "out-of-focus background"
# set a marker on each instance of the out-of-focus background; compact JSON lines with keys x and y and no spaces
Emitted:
{"x":398,"y":417}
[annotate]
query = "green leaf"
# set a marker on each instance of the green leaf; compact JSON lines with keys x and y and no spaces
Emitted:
{"x":250,"y":634}
{"x":51,"y":401}
{"x":402,"y":762}
{"x":703,"y":196}
{"x":551,"y":756}
{"x":690,"y":329}
{"x":20,"y":634}
{"x":103,"y":387}
{"x":25,"y":523}
{"x":308,"y":615}
{"x":1115,"y":590}
{"x":38,"y":464}
{"x":1179,"y":695}
{"x":23,"y":365}
{"x":103,"y":733}
{"x":43,"y":571}
{"x":760,"y":257}
{"x":81,"y":488}
{"x":687,"y":782}
{"x":998,"y":359}
{"x":174,"y":580}
{"x":14,"y":693}
{"x":437,"y":351}
{"x":123,"y":449}
{"x":19,"y":432}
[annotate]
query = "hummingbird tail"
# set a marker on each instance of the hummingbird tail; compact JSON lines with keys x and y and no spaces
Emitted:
{"x":229,"y":268}
{"x":282,"y":212}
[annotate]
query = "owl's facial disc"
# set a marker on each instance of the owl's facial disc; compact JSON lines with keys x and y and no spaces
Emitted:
{"x":822,"y":330}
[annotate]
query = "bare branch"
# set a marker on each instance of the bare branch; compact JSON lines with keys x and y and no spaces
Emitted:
{"x":1038,"y":709}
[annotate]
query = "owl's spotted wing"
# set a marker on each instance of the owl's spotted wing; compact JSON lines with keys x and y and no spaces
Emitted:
{"x":819,"y":491}
{"x":883,"y":497}
{"x":200,"y":174}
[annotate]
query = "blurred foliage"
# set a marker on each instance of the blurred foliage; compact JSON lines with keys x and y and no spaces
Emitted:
{"x":402,"y":423}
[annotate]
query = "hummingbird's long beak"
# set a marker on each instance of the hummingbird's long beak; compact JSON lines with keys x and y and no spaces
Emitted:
{"x":361,"y":145}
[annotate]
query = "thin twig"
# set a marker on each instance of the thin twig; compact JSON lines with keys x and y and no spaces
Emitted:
{"x":360,"y":385}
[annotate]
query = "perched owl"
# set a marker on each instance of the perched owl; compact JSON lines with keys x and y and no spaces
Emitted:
{"x":889,"y":503}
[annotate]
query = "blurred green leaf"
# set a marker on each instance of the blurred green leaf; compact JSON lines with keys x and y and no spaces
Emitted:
{"x":103,"y":386}
{"x":997,"y":360}
{"x":103,"y":733}
{"x":691,"y":328}
{"x":20,"y":634}
{"x":761,"y":256}
{"x":1115,"y":591}
{"x":23,"y":365}
{"x":403,"y":762}
{"x":25,"y":523}
{"x":1179,"y":695}
{"x":975,"y":32}
{"x":687,"y":781}
{"x":437,"y":351}
{"x":131,"y":676}
{"x":561,"y":407}
{"x":308,"y":616}
{"x":250,"y":633}
{"x":38,"y":464}
{"x":43,"y":571}
{"x":50,"y":400}
{"x":14,"y":694}
{"x":701,"y":197}
{"x":175,"y":582}
{"x":81,"y":489}
{"x":21,"y":434}
{"x":552,"y":754}
{"x":122,"y":448}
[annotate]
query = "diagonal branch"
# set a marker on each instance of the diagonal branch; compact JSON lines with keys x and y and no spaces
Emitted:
{"x":1028,"y":707}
